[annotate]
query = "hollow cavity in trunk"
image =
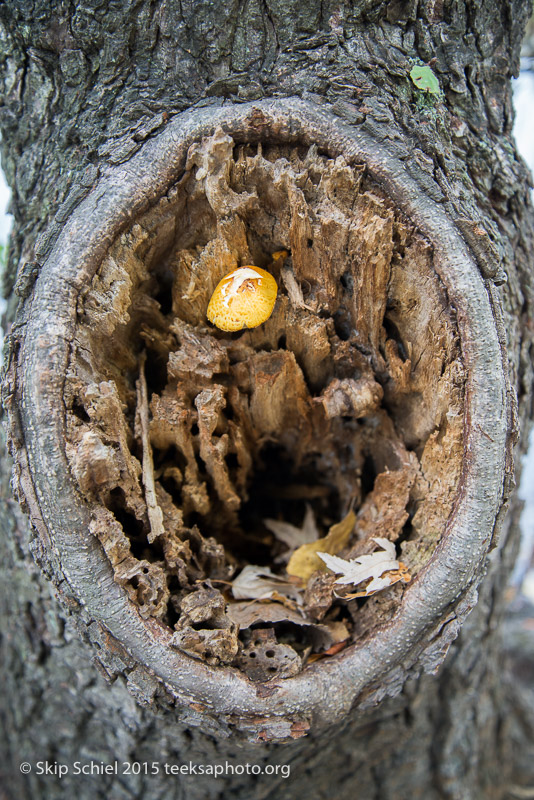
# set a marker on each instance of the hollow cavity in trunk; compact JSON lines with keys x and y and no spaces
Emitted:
{"x":203,"y":453}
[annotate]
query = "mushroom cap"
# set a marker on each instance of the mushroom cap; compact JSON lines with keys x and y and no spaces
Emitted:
{"x":244,"y":298}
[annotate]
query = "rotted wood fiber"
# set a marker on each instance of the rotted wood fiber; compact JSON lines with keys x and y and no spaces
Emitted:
{"x":349,"y":397}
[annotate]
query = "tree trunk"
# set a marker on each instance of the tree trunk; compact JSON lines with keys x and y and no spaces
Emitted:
{"x":151,"y":149}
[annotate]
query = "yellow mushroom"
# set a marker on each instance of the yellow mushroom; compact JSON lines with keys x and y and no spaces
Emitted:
{"x":244,"y":298}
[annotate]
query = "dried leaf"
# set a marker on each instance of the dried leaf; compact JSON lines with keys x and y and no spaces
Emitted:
{"x":305,"y":561}
{"x":382,"y":566}
{"x":292,"y":536}
{"x":336,"y":648}
{"x":387,"y":580}
{"x":259,"y":583}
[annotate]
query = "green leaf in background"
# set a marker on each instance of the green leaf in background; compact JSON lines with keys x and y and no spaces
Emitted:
{"x":424,"y":79}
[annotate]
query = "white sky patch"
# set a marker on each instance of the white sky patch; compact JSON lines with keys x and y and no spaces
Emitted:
{"x":5,"y":218}
{"x":524,"y":115}
{"x":526,"y":493}
{"x":523,"y":131}
{"x":6,"y":221}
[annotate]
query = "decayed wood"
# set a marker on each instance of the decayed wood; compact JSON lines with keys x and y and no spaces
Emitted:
{"x":279,"y":400}
{"x":75,"y":106}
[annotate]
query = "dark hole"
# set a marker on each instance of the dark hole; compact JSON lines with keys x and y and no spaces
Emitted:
{"x":343,"y":324}
{"x":200,"y":465}
{"x":310,"y":242}
{"x":393,"y":333}
{"x":172,"y":615}
{"x":407,"y":530}
{"x":270,"y":653}
{"x":252,"y":655}
{"x":155,"y":372}
{"x":231,"y":461}
{"x":169,"y":457}
{"x":79,"y":411}
{"x":173,"y":490}
{"x":368,"y":475}
{"x":164,"y":459}
{"x":280,"y":490}
{"x":282,"y":342}
{"x":132,"y":526}
{"x":194,"y":429}
{"x":205,"y":625}
{"x":195,"y":520}
{"x":163,"y":295}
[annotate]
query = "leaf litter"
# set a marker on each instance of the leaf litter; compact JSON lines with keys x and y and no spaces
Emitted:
{"x":380,"y":567}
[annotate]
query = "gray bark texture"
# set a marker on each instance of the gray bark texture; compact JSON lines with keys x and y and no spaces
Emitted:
{"x":101,"y":102}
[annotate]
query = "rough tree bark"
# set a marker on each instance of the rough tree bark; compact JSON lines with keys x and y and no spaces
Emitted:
{"x":105,"y":110}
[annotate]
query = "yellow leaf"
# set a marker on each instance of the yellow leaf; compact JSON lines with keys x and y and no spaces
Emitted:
{"x":305,"y":561}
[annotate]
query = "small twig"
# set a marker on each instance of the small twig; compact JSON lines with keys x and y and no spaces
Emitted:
{"x":293,"y":288}
{"x":155,"y":514}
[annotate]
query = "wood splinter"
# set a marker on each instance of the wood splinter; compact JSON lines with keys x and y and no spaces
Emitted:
{"x":155,"y":514}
